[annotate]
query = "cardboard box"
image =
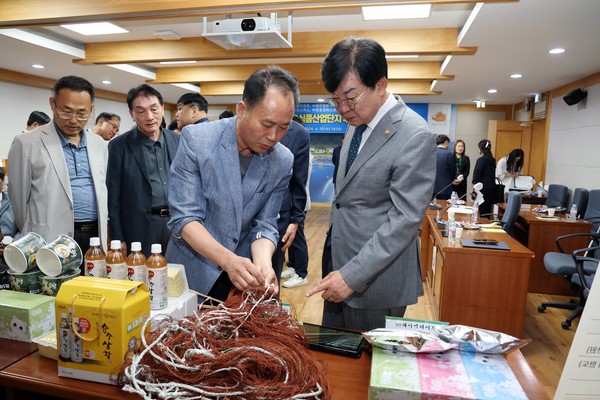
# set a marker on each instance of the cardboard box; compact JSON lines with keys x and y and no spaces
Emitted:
{"x":448,"y":375}
{"x":25,"y":316}
{"x":108,"y":315}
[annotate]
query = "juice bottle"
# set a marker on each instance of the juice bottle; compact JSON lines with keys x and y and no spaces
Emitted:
{"x":115,"y":262}
{"x":76,"y":344}
{"x":158,"y":279}
{"x":95,"y":259}
{"x":136,"y":264}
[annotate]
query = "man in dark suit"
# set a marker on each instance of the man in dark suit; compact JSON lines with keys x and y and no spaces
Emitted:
{"x":291,"y":214}
{"x":445,"y":168}
{"x":138,"y":174}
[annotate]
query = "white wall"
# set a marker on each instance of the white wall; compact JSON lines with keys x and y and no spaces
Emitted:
{"x":18,"y":101}
{"x":472,"y":126}
{"x":574,"y":142}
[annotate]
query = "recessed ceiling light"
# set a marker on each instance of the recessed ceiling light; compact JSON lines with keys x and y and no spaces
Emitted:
{"x":38,"y":66}
{"x":95,"y":28}
{"x":558,"y":50}
{"x":492,"y":91}
{"x":106,"y":82}
{"x":177,"y":62}
{"x":320,"y":100}
{"x":396,"y":12}
{"x":516,"y":76}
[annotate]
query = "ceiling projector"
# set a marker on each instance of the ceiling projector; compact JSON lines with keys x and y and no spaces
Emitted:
{"x":245,"y":25}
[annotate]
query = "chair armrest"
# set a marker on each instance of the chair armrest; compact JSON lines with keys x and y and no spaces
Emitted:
{"x":580,"y":260}
{"x":571,"y":235}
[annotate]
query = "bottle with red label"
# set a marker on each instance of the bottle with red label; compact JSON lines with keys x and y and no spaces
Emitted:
{"x":95,"y":259}
{"x":158,"y":278}
{"x":115,"y":262}
{"x":136,"y":264}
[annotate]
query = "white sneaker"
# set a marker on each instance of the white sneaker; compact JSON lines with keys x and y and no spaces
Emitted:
{"x":288,"y":273}
{"x":295,"y":281}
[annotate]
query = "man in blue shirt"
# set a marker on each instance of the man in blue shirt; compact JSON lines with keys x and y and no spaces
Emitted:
{"x":58,"y":171}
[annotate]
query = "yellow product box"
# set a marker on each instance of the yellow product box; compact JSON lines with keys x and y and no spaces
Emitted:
{"x":99,"y":324}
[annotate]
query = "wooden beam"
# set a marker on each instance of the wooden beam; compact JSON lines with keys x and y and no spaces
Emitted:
{"x":440,"y":41}
{"x":46,"y":83}
{"x":316,"y":88}
{"x":428,"y":70}
{"x":43,"y":12}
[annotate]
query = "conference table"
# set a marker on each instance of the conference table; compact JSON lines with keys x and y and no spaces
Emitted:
{"x":538,"y":232}
{"x":348,"y":378}
{"x":485,"y":288}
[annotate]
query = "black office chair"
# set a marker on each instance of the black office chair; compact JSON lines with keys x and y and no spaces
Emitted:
{"x":565,"y":264}
{"x":558,"y":196}
{"x":592,"y":211}
{"x":580,"y":199}
{"x":513,"y":206}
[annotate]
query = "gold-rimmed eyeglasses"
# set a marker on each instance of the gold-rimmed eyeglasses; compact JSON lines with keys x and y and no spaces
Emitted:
{"x":350,"y":104}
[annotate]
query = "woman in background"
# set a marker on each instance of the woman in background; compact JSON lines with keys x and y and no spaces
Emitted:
{"x":484,"y":173}
{"x":509,"y":167}
{"x":463,"y":167}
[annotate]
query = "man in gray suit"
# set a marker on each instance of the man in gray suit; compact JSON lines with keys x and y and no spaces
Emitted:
{"x":227,"y":184}
{"x":57,"y":171}
{"x":138,"y":174}
{"x":384,"y":183}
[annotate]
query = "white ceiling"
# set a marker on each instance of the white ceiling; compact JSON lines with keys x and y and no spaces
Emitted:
{"x":510,"y":37}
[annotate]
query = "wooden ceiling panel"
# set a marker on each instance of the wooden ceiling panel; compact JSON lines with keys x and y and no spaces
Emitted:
{"x":304,"y":72}
{"x":440,"y":41}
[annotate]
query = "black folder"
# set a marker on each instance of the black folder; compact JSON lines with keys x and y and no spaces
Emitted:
{"x":493,"y":246}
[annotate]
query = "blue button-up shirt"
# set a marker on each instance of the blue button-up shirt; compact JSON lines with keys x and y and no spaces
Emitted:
{"x":80,"y":175}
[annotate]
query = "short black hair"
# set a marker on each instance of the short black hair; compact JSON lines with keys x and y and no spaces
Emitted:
{"x":38,"y":116}
{"x":142,"y":90}
{"x":74,"y":83}
{"x":172,"y":125}
{"x":439,"y":139}
{"x":106,"y":116}
{"x":363,"y":56}
{"x":226,"y":114}
{"x":261,"y":80}
{"x":2,"y":174}
{"x":194,"y":99}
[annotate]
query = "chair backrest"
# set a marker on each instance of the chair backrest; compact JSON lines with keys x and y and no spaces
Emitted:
{"x":557,"y":196}
{"x":580,"y":198}
{"x":513,"y":206}
{"x":592,"y":211}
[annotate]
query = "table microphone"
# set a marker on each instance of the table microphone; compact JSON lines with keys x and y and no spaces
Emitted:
{"x":477,"y":187}
{"x":435,"y":206}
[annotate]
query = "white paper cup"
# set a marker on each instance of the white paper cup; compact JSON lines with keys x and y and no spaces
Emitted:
{"x":551,"y":212}
{"x":20,"y":255}
{"x":59,"y":256}
{"x":459,"y":231}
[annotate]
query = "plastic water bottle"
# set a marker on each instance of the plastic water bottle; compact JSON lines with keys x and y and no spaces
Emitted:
{"x":454,"y":199}
{"x":573,"y":213}
{"x":451,"y":229}
{"x":475,"y":212}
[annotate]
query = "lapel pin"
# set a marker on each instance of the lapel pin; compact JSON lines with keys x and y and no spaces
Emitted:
{"x":387,"y":132}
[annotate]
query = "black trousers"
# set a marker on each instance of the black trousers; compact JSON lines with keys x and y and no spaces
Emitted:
{"x":82,"y":234}
{"x":298,"y":252}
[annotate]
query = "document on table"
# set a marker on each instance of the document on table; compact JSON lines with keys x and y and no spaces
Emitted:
{"x":581,"y":376}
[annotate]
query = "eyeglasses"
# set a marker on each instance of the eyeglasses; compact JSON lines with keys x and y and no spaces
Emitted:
{"x":69,"y":115}
{"x":350,"y":104}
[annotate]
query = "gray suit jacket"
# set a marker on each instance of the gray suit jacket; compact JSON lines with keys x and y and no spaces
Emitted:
{"x":40,"y":188}
{"x":206,"y":186}
{"x":378,"y":208}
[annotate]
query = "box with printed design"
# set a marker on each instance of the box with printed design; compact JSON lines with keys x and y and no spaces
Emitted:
{"x":448,"y":375}
{"x":99,"y":324}
{"x":25,"y":316}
